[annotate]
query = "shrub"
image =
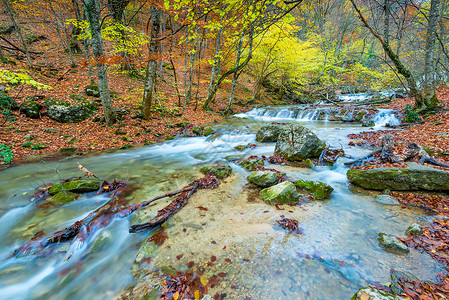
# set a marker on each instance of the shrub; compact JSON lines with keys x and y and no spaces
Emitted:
{"x":6,"y":155}
{"x":411,"y":116}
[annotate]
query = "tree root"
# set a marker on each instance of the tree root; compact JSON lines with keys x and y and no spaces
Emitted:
{"x":104,"y":215}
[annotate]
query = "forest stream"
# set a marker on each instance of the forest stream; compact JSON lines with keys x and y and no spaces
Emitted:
{"x":336,"y":254}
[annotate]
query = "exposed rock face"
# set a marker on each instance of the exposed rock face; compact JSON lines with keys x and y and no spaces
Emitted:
{"x":319,"y":190}
{"x":263,"y":178}
{"x":414,"y":177}
{"x":391,"y":244}
{"x":369,"y":293}
{"x":268,"y":133}
{"x":296,"y":142}
{"x":219,"y":171}
{"x":31,"y":109}
{"x":71,"y":114}
{"x":281,"y":193}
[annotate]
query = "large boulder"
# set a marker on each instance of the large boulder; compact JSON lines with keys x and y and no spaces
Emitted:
{"x":414,"y":177}
{"x":71,"y":114}
{"x":263,"y":178}
{"x":296,"y":142}
{"x":390,"y":243}
{"x":281,"y":193}
{"x":31,"y":109}
{"x":369,"y":293}
{"x":268,"y":133}
{"x":319,"y":190}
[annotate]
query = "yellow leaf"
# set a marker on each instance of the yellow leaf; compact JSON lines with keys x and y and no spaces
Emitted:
{"x":25,"y":193}
{"x":203,"y":280}
{"x":197,"y":294}
{"x":433,"y":251}
{"x":176,"y":296}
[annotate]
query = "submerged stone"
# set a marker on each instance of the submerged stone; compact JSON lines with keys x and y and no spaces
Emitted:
{"x":219,"y":171}
{"x":390,"y":243}
{"x":414,"y":177}
{"x":369,"y":293}
{"x":319,"y":190}
{"x":263,"y":178}
{"x":281,"y":193}
{"x":398,"y":276}
{"x":386,"y":200}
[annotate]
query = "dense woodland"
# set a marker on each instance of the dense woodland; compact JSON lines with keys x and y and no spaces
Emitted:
{"x":203,"y":60}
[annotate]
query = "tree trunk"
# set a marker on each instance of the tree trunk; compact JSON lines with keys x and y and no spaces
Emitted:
{"x":430,"y":65}
{"x":10,"y":10}
{"x":93,"y":13}
{"x":151,"y":74}
{"x":234,"y":78}
{"x":414,"y":91}
{"x":215,"y":67}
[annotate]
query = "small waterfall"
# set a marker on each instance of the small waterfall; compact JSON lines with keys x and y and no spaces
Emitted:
{"x":384,"y":117}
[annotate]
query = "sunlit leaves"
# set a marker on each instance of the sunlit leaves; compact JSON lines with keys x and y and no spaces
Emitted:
{"x":15,"y":78}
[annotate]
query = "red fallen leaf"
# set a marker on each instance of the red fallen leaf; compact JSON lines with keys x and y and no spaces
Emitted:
{"x":222,"y":275}
{"x":213,"y":258}
{"x":179,"y":256}
{"x":184,"y":229}
{"x":191,"y":264}
{"x":213,"y":281}
{"x":159,"y":238}
{"x":228,"y":260}
{"x":342,"y":264}
{"x":224,"y":247}
{"x":210,"y":264}
{"x":202,"y":208}
{"x":233,"y":286}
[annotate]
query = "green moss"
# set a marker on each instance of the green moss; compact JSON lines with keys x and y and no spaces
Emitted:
{"x":319,"y":190}
{"x":219,"y":171}
{"x":63,"y":197}
{"x":282,"y":193}
{"x":169,"y":138}
{"x":76,"y":186}
{"x":251,"y":164}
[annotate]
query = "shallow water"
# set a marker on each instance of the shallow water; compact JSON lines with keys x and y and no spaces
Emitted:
{"x":336,"y":254}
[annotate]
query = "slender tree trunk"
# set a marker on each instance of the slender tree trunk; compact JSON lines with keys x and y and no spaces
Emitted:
{"x":85,"y":41}
{"x":234,"y":78}
{"x":430,"y":65}
{"x":215,"y":67}
{"x":414,"y":91}
{"x":10,"y":10}
{"x":58,"y":31}
{"x":93,"y":13}
{"x":151,"y":74}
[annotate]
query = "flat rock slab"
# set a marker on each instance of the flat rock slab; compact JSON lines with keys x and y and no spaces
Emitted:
{"x":413,"y":178}
{"x":387,"y":200}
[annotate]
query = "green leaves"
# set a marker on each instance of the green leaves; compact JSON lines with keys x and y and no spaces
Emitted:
{"x":13,"y":78}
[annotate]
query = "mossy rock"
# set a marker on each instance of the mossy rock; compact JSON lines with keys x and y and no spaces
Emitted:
{"x":251,"y":164}
{"x":263,"y":178}
{"x":63,"y":197}
{"x":78,"y":97}
{"x":7,"y":103}
{"x":281,"y":193}
{"x":308,"y":163}
{"x":31,"y":109}
{"x":207,"y":131}
{"x":414,"y":177}
{"x":398,"y":276}
{"x":268,"y":133}
{"x":369,"y":293}
{"x":219,"y":171}
{"x":196,"y":130}
{"x":390,"y":243}
{"x":414,"y":229}
{"x":319,"y":190}
{"x":76,"y":186}
{"x":169,"y":138}
{"x":369,"y":123}
{"x":92,"y":90}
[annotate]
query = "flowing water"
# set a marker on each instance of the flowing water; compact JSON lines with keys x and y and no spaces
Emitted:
{"x":336,"y":254}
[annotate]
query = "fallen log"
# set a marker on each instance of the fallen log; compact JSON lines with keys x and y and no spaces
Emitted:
{"x":104,"y":215}
{"x":321,"y":158}
{"x":388,"y":125}
{"x":362,"y":159}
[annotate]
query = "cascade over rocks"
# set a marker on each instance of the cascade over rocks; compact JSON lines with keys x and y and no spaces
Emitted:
{"x":296,"y":143}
